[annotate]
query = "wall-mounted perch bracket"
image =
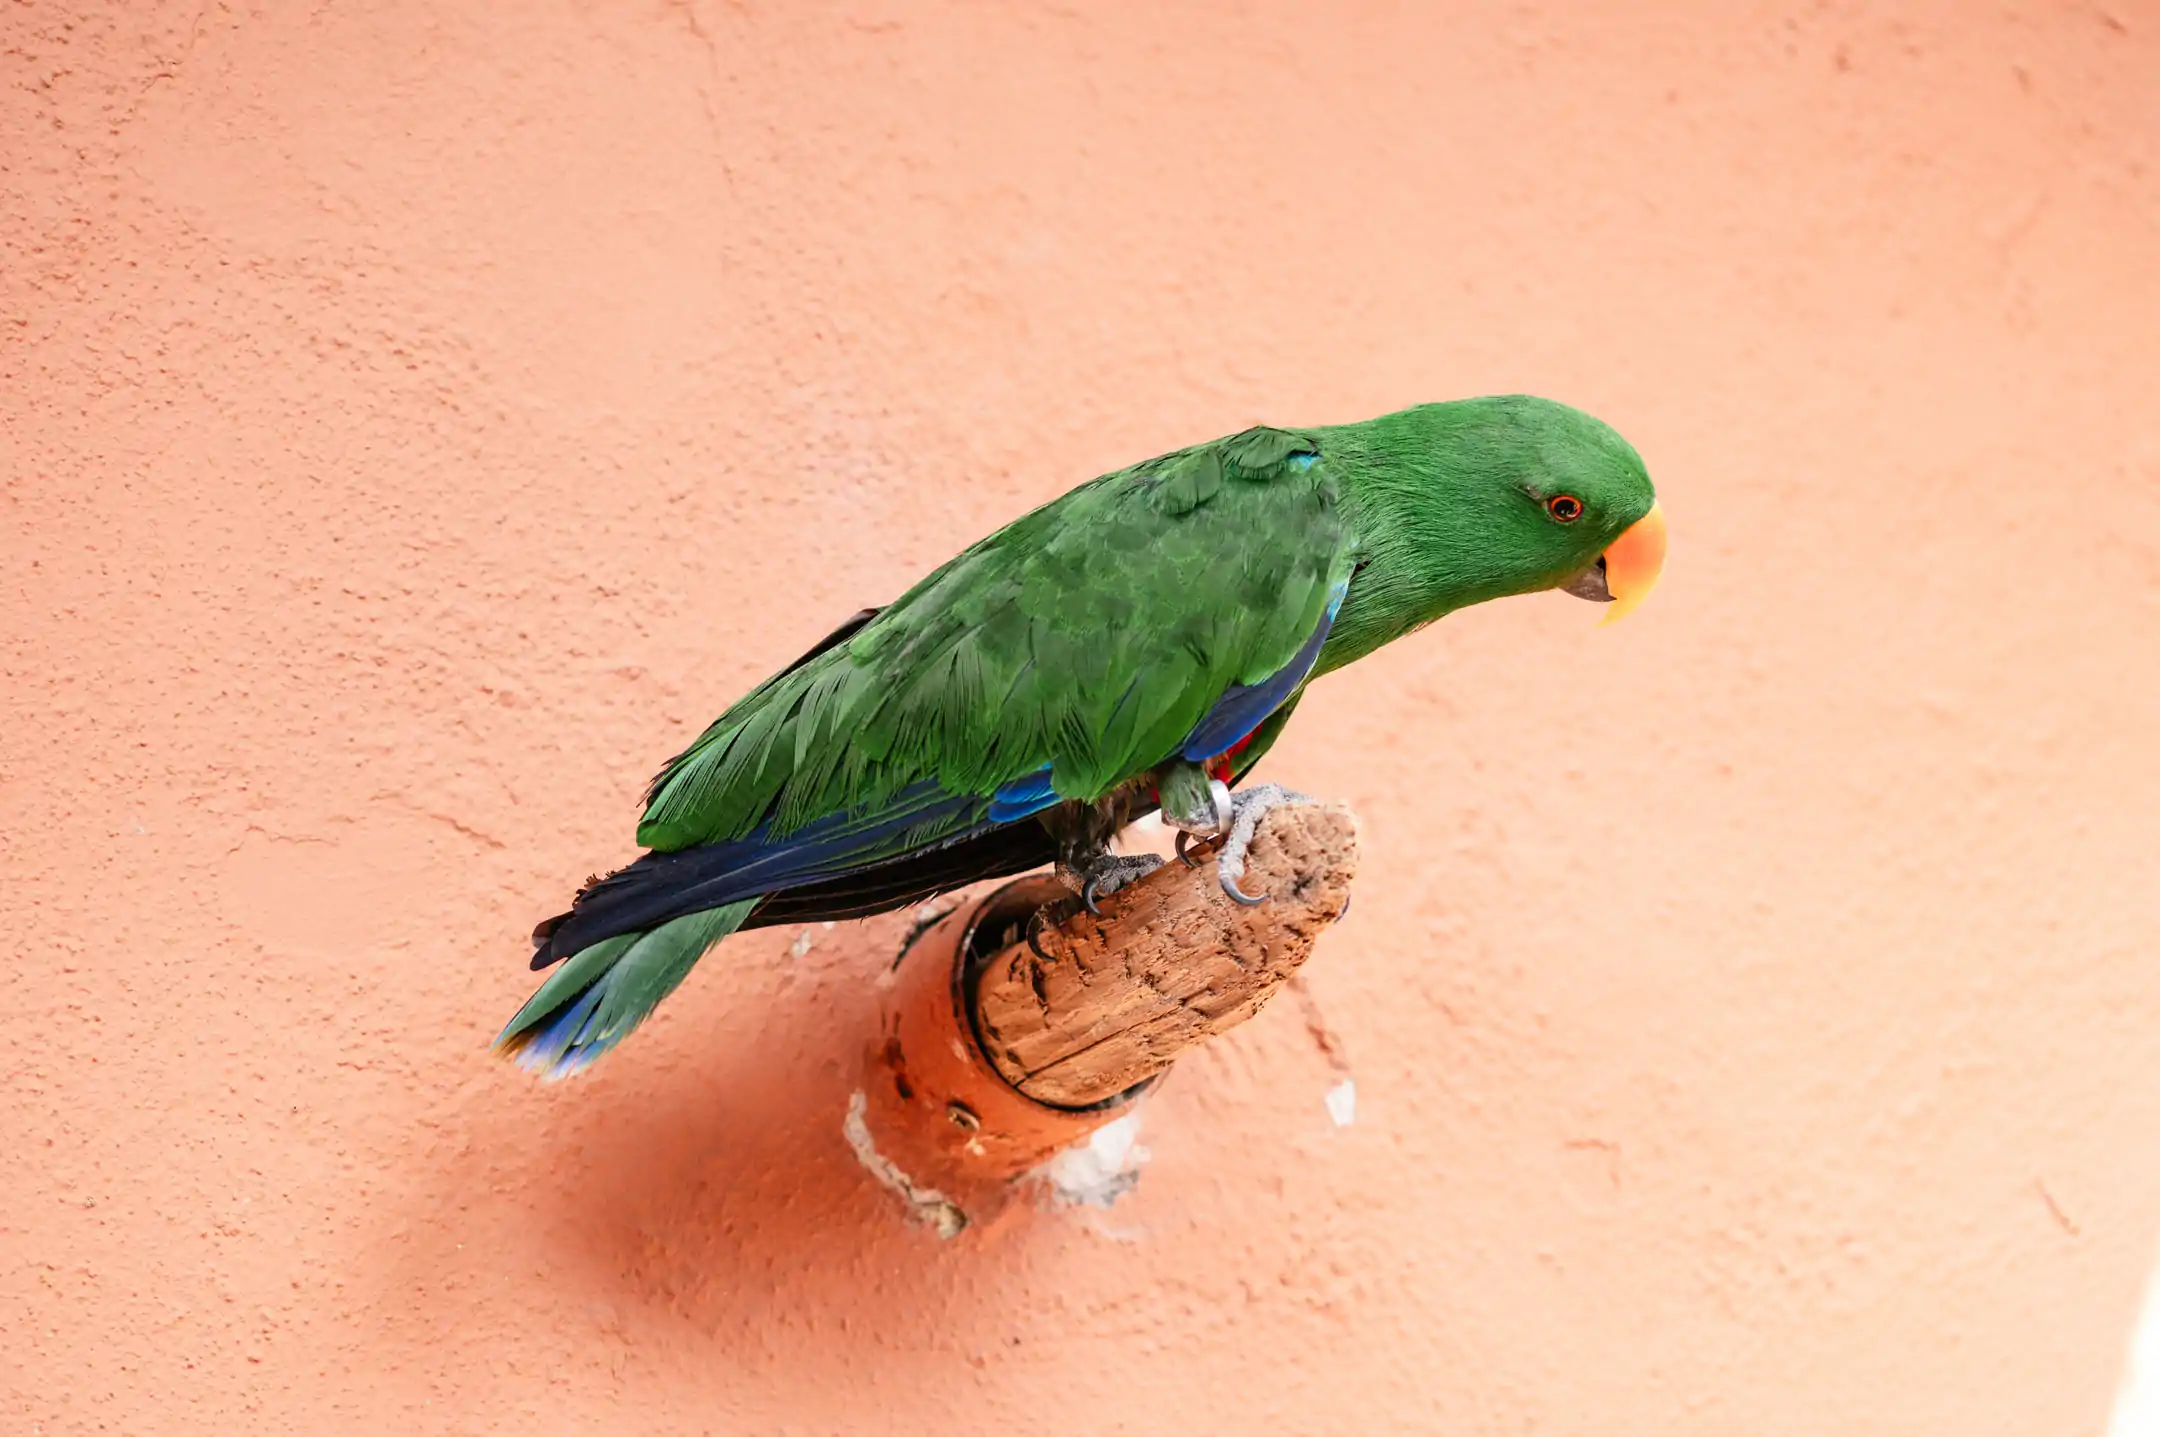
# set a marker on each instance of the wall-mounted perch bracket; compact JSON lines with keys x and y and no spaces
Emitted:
{"x":996,"y":1050}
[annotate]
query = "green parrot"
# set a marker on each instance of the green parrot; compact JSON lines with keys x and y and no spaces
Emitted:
{"x":1134,"y":645}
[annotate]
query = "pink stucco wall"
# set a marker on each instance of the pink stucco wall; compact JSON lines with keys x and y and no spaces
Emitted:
{"x":415,"y":420}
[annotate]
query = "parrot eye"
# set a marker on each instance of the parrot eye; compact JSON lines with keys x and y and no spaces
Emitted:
{"x":1564,"y":507}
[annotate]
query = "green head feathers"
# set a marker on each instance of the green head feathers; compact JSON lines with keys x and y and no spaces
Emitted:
{"x":1457,"y":503}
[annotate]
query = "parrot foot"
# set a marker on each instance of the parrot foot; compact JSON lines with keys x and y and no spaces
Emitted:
{"x":1194,"y":801}
{"x":1107,"y":874}
{"x":1247,"y":809}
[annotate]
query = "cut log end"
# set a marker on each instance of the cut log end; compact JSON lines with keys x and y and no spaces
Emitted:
{"x":1172,"y":962}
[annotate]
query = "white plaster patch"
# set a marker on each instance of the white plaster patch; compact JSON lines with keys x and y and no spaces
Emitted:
{"x":1098,"y":1172}
{"x":926,"y":1205}
{"x":1341,"y":1103}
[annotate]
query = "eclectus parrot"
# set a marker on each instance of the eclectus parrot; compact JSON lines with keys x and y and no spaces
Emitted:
{"x":1137,"y":644}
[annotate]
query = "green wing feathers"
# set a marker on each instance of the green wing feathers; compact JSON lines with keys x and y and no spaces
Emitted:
{"x":1089,"y":636}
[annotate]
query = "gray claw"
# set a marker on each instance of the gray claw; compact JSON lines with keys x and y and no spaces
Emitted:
{"x":1247,"y":811}
{"x":1109,"y":874}
{"x":1237,"y":894}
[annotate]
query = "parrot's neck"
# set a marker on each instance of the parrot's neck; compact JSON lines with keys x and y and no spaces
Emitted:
{"x":1420,"y":544}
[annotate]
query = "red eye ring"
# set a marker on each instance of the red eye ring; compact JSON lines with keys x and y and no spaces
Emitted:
{"x":1564,"y":507}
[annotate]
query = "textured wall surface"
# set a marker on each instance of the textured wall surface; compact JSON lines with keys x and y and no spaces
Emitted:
{"x":416,"y":420}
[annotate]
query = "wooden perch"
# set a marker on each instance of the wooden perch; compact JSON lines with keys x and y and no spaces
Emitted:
{"x":1172,"y":962}
{"x":989,"y":1059}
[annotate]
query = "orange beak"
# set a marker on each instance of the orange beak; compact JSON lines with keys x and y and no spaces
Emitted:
{"x":1632,"y":564}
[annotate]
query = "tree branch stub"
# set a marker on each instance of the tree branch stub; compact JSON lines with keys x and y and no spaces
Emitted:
{"x":1172,"y":962}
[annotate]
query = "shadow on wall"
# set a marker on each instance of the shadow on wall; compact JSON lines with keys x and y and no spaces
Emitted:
{"x":696,"y":1185}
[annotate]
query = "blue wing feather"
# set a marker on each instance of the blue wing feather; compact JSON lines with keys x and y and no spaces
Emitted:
{"x":660,"y":886}
{"x":1244,"y":707}
{"x":1023,"y":797}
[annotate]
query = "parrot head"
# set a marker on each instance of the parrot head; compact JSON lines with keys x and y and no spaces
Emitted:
{"x":1481,"y":498}
{"x":1591,"y":525}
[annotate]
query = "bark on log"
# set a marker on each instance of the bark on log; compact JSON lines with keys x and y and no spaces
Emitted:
{"x":1172,"y":962}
